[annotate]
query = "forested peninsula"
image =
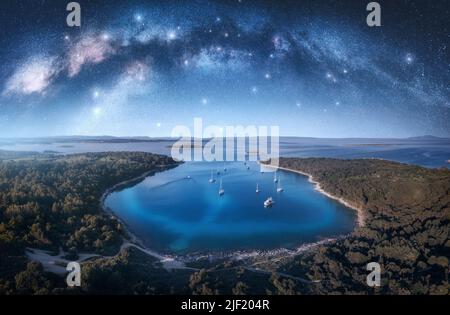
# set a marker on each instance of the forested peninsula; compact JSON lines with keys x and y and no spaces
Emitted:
{"x":50,"y":202}
{"x":406,"y":229}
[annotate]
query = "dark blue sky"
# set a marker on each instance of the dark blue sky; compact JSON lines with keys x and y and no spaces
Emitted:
{"x":314,"y":68}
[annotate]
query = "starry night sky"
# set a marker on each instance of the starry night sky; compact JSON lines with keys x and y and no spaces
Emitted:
{"x":314,"y":68}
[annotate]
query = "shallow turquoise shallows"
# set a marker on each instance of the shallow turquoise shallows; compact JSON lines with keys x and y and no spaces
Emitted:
{"x":180,"y":211}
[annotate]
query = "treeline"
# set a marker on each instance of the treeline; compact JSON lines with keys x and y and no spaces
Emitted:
{"x":53,"y":202}
{"x":132,"y":272}
{"x":407,"y":210}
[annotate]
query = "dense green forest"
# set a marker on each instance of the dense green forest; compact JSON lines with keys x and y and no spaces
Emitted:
{"x":407,"y":210}
{"x":53,"y":201}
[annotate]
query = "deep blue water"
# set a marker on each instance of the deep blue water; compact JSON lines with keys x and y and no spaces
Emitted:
{"x":172,"y":213}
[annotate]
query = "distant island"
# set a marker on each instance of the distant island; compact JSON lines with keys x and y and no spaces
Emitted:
{"x":52,"y":202}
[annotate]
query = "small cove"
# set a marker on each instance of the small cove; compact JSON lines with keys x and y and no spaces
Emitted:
{"x":178,"y":211}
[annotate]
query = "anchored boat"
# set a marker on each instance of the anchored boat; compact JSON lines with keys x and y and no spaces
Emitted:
{"x":269,"y":202}
{"x":221,"y":190}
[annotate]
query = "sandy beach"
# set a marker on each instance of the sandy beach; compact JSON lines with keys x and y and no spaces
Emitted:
{"x":359,"y":212}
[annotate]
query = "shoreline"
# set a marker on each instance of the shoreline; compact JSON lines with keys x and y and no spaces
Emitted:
{"x":169,"y":261}
{"x":123,"y":185}
{"x":361,"y":218}
{"x":237,"y":254}
{"x":177,"y":261}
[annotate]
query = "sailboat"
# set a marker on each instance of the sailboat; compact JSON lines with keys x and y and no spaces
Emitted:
{"x":257,"y":188}
{"x":212,"y":180}
{"x":275,"y":179}
{"x":279,"y":188}
{"x":221,"y":190}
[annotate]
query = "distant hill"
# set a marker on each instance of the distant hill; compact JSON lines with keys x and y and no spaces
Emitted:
{"x":427,"y":137}
{"x":94,"y":139}
{"x":283,"y":139}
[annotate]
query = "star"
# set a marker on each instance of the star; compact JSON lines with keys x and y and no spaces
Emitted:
{"x":267,"y":76}
{"x":331,"y":77}
{"x":171,"y":35}
{"x":254,"y":90}
{"x":158,"y":124}
{"x":409,"y":58}
{"x":204,"y":101}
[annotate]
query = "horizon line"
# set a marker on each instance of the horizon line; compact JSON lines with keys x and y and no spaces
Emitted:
{"x":177,"y":138}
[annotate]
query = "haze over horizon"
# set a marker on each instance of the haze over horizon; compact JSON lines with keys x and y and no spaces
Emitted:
{"x":144,"y":137}
{"x":140,"y":69}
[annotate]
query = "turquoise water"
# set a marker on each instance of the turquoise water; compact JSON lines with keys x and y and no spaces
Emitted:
{"x":173,"y":213}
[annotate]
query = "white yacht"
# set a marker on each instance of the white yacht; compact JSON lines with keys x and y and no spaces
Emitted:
{"x":257,"y":188}
{"x":275,"y":179}
{"x":269,"y":202}
{"x":211,"y":179}
{"x":221,"y":190}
